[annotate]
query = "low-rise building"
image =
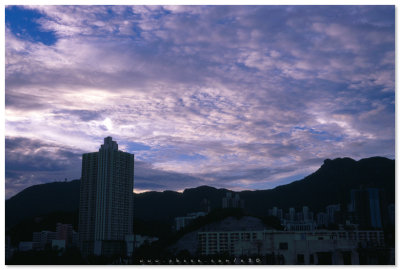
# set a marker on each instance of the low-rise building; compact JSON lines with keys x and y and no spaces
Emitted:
{"x":63,"y":232}
{"x":43,"y":238}
{"x":289,"y":247}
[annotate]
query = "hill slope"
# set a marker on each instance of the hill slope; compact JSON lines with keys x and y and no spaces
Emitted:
{"x":328,"y":185}
{"x":42,"y":199}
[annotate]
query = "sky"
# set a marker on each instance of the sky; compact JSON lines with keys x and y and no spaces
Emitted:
{"x":237,"y":97}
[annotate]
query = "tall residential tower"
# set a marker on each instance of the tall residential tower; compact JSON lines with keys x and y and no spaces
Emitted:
{"x":106,"y":200}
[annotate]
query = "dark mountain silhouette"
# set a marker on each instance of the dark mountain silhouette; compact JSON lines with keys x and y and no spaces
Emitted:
{"x":328,"y":185}
{"x":42,"y":199}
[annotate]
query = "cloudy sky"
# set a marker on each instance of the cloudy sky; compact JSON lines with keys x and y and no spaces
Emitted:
{"x":241,"y":97}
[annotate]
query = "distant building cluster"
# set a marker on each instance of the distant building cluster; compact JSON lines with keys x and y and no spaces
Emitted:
{"x":295,"y":221}
{"x":366,"y":210}
{"x":304,"y":220}
{"x":232,"y":201}
{"x":339,"y":235}
{"x":63,"y":237}
{"x":229,"y":201}
{"x":182,"y":222}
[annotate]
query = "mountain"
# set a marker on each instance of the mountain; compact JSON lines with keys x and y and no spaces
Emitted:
{"x":330,"y":184}
{"x":42,"y":199}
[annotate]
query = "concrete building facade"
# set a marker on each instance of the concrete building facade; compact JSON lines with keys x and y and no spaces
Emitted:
{"x":316,"y":247}
{"x":106,"y":200}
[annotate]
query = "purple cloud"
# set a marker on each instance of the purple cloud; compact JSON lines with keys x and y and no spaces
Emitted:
{"x":231,"y":96}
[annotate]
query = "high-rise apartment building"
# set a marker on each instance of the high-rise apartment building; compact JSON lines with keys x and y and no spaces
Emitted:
{"x":106,"y":200}
{"x":332,"y":211}
{"x":292,"y":214}
{"x":366,"y":203}
{"x":232,"y":202}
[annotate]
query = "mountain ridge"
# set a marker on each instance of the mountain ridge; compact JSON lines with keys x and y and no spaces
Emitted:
{"x":329,"y":184}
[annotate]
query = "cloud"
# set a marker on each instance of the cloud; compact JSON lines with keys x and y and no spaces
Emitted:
{"x":30,"y":162}
{"x":232,"y":96}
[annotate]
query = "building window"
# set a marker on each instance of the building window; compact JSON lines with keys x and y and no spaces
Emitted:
{"x":283,"y":245}
{"x":324,"y":258}
{"x":300,"y":258}
{"x":346,"y":258}
{"x":311,"y":258}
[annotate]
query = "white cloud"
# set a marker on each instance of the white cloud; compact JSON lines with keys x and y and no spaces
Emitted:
{"x":227,"y":83}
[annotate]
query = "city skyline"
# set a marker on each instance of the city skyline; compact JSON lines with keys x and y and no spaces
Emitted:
{"x":251,"y":97}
